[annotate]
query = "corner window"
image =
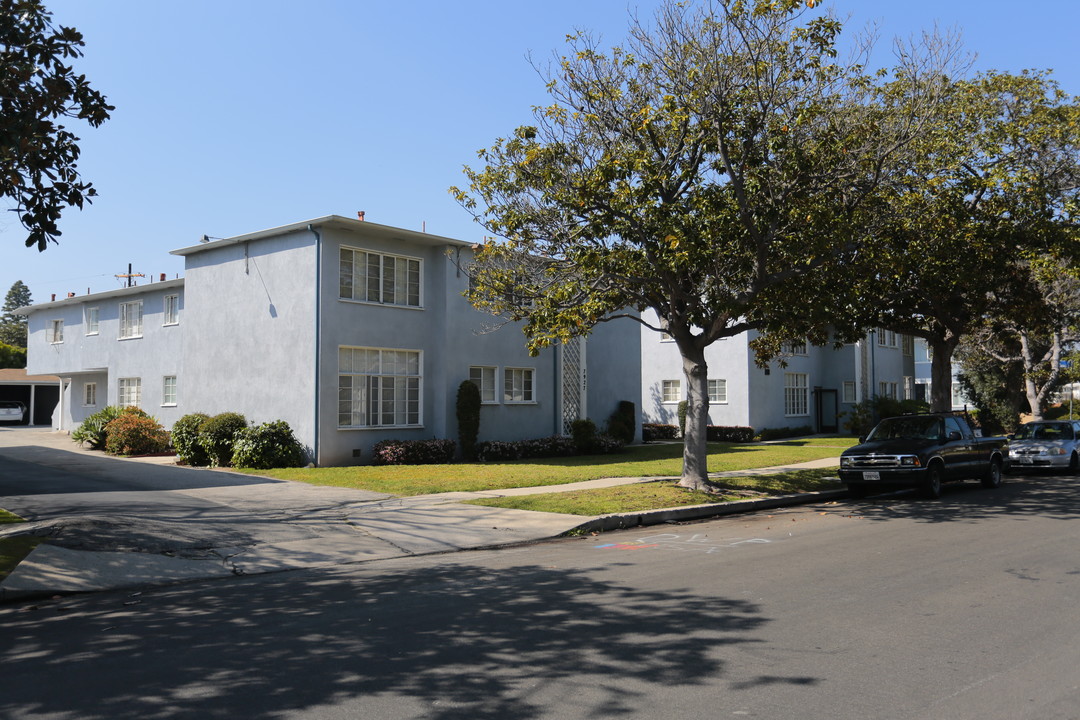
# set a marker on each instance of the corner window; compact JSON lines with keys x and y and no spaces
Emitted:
{"x":55,"y":332}
{"x":670,"y":391}
{"x":484,"y":378}
{"x":378,"y":388}
{"x":89,"y":394}
{"x":518,"y":385}
{"x":131,"y":319}
{"x":377,"y":278}
{"x":796,"y":402}
{"x":794,"y":348}
{"x":91,"y":321}
{"x":129,"y":392}
{"x":171,"y":310}
{"x":718,"y":391}
{"x":168,"y":390}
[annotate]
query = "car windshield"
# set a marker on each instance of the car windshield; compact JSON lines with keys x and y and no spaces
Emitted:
{"x":929,"y":428}
{"x":1044,"y":431}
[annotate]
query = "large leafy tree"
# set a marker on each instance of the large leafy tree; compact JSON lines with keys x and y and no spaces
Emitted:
{"x":717,"y":171}
{"x":38,"y":90}
{"x":994,"y":185}
{"x":12,"y":326}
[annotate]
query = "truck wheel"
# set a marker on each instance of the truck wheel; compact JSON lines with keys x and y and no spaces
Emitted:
{"x":932,"y":485}
{"x":992,"y":478}
{"x":1074,"y":463}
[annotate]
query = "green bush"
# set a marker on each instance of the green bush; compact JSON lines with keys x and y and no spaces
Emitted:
{"x":217,"y":436}
{"x":92,"y":431}
{"x":413,"y":452}
{"x":583,"y":432}
{"x":658,"y":431}
{"x":185,"y":439}
{"x":622,"y":424}
{"x":729,"y":433}
{"x":270,"y":445}
{"x":863,"y":416}
{"x":785,"y":432}
{"x":134,"y":432}
{"x":468,"y":418}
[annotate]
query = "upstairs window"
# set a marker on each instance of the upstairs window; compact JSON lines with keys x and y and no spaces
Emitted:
{"x":794,"y":348}
{"x":171,"y":311}
{"x":91,"y":321}
{"x":131,"y":319}
{"x":55,"y":332}
{"x":377,"y":278}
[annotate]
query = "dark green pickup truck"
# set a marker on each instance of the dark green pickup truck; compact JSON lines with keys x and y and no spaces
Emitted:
{"x":922,"y":451}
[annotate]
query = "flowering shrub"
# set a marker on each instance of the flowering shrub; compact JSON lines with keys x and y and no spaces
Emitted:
{"x":413,"y":452}
{"x":732,"y":433}
{"x":657,"y":431}
{"x":270,"y":445}
{"x":135,"y":433}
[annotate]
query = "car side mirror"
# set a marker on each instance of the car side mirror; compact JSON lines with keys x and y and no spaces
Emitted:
{"x":954,"y":436}
{"x":862,"y":439}
{"x":1010,"y":436}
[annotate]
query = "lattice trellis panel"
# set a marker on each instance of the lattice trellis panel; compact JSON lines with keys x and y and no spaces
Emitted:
{"x":573,"y":382}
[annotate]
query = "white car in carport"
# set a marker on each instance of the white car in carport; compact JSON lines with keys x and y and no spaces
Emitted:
{"x":12,"y":411}
{"x":1045,"y":444}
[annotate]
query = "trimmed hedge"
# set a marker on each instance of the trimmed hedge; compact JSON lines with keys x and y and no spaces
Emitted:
{"x":270,"y":445}
{"x":785,"y":432}
{"x":658,"y":431}
{"x":468,"y":417}
{"x":729,"y":433}
{"x":185,"y":439}
{"x":217,"y":435}
{"x":414,"y":452}
{"x":621,"y":424}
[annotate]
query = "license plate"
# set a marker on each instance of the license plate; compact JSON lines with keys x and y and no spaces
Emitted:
{"x":871,"y":476}
{"x":1024,"y":460}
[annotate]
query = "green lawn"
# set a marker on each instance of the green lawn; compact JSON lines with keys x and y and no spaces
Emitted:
{"x":13,"y":549}
{"x":666,"y":494}
{"x":652,"y":460}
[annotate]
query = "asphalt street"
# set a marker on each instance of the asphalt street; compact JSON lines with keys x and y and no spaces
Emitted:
{"x":891,"y":608}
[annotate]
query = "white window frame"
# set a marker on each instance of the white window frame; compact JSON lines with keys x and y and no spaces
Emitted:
{"x":886,"y":338}
{"x":849,"y":392}
{"x":92,"y":320}
{"x":485,"y":377}
{"x":670,"y":391}
{"x":54,"y":333}
{"x":888,"y":389}
{"x":170,"y":310}
{"x":129,"y":392}
{"x":90,"y":394}
{"x":907,"y":342}
{"x":168,"y":391}
{"x":380,"y":388}
{"x":519,"y":385}
{"x":717,"y":389}
{"x":796,"y":394}
{"x":356,"y":287}
{"x":794,"y":348}
{"x":131,"y":320}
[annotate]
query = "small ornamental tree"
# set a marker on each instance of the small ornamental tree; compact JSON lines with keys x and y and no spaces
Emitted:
{"x":468,"y":418}
{"x":717,"y":173}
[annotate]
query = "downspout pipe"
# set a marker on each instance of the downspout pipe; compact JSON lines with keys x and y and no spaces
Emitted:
{"x":318,"y":339}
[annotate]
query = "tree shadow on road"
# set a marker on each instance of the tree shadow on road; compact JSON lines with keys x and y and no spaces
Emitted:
{"x":455,"y":641}
{"x":1020,"y":497}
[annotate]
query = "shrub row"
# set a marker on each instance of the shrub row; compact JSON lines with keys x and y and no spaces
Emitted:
{"x":226,"y":439}
{"x":658,"y":431}
{"x":785,"y":432}
{"x":729,"y":433}
{"x":414,"y":452}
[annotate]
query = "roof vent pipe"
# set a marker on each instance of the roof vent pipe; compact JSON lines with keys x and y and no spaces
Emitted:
{"x":162,"y":277}
{"x":360,"y":215}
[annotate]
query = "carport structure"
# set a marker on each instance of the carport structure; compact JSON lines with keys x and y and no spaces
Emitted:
{"x":40,"y":393}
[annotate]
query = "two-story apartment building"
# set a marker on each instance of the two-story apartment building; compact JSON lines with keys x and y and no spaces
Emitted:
{"x":814,"y":387}
{"x":353,"y":332}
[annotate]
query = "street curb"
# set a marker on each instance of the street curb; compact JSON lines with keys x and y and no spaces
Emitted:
{"x":622,"y":521}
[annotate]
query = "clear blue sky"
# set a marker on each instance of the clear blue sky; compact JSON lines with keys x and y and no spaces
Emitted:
{"x":238,"y":115}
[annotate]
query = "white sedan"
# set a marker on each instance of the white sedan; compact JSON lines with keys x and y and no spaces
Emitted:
{"x":1045,"y":444}
{"x":12,"y":411}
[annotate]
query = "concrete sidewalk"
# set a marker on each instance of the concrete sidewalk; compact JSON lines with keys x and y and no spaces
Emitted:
{"x":360,"y":531}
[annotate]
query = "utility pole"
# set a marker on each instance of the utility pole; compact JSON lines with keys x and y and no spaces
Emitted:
{"x":130,"y":275}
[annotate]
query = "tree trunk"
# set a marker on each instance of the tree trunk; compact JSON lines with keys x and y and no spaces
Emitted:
{"x":1030,"y":389}
{"x":695,"y":472}
{"x":941,"y":373}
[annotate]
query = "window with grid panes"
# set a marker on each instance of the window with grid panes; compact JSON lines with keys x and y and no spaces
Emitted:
{"x":379,"y":278}
{"x":129,"y":392}
{"x":131,"y":319}
{"x":484,"y":378}
{"x":796,"y":401}
{"x":718,"y":391}
{"x":518,"y":385}
{"x":378,"y":387}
